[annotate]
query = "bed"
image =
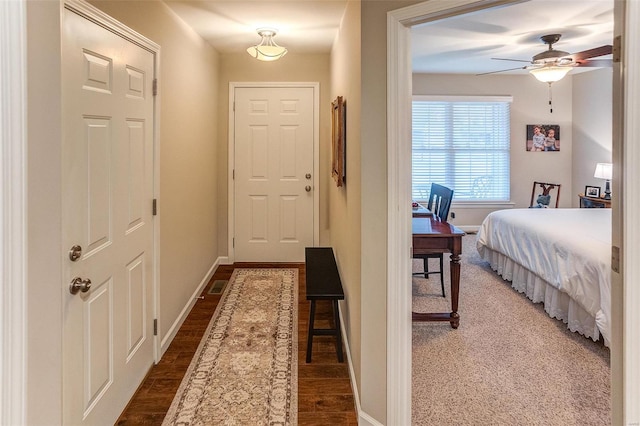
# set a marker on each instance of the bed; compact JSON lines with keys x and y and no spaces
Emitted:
{"x":560,"y":257}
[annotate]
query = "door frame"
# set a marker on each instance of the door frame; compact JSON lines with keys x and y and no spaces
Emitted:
{"x":100,"y":18}
{"x":13,"y":211}
{"x":231,"y":155}
{"x":625,"y":363}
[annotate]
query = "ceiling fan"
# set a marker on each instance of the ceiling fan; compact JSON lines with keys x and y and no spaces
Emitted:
{"x":551,"y":65}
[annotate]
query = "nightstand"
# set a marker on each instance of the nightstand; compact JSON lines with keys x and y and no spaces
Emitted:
{"x":591,"y":202}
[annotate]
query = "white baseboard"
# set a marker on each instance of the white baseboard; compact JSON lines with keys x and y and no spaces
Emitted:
{"x":224,"y":260}
{"x":175,"y":327}
{"x":363,"y":418}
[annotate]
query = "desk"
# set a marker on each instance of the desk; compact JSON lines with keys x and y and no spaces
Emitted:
{"x":421,"y":211}
{"x":430,"y":235}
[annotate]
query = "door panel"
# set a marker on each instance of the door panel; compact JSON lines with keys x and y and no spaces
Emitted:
{"x":274,"y":137}
{"x":107,"y":179}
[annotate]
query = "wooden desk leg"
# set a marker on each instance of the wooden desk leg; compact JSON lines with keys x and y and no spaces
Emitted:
{"x":454,"y":265}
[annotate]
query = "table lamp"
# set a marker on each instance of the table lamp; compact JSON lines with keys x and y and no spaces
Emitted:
{"x":605,"y":171}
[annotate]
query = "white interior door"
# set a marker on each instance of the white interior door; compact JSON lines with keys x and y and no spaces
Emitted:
{"x":274,"y":173}
{"x":107,"y":176}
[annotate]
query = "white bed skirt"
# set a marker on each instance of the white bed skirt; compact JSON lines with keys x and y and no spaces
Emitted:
{"x":556,"y":303}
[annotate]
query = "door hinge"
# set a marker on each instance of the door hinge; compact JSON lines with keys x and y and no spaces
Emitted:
{"x":154,"y":88}
{"x":233,"y":243}
{"x":155,"y":326}
{"x":154,"y":208}
{"x":617,"y":49}
{"x":233,"y":174}
{"x":234,"y":106}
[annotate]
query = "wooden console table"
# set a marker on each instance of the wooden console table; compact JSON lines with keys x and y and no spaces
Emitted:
{"x":430,"y":235}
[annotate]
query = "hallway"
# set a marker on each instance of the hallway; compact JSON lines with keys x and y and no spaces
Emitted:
{"x":324,"y":389}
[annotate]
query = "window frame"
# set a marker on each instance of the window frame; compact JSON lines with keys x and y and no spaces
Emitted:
{"x":483,"y":202}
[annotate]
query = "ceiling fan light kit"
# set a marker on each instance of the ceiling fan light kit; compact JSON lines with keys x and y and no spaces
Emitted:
{"x":267,"y":49}
{"x":552,"y":65}
{"x":550,"y":74}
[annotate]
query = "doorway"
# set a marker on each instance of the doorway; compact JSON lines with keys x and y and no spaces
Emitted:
{"x":108,"y":121}
{"x":273,"y":163}
{"x":399,"y":197}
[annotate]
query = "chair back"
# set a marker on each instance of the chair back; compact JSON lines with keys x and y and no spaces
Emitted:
{"x":551,"y":191}
{"x":440,"y":201}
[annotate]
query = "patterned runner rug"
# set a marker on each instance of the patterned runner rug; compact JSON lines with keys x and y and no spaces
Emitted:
{"x":245,"y":371}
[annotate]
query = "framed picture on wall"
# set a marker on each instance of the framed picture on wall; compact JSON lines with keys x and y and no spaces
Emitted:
{"x":543,"y":137}
{"x":338,"y":140}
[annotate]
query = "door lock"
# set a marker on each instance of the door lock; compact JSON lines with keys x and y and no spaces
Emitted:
{"x":75,"y":252}
{"x":78,"y":284}
{"x":307,"y":188}
{"x":308,"y":175}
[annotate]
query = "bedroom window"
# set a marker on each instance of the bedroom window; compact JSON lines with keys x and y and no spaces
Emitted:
{"x":462,"y":143}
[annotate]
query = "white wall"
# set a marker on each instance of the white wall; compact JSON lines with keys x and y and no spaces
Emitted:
{"x":44,"y":254}
{"x":592,"y":127}
{"x":530,"y":106}
{"x":188,"y":174}
{"x":188,"y":197}
{"x":344,"y":202}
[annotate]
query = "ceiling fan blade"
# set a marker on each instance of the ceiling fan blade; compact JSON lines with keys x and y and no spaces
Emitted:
{"x":514,"y":60}
{"x":509,"y":69}
{"x":602,"y":63}
{"x":591,"y":53}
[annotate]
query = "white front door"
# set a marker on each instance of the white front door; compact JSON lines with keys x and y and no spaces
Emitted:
{"x":274,"y":173}
{"x":107,"y":177}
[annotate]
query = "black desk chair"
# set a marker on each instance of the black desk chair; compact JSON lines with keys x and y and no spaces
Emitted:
{"x":439,"y":203}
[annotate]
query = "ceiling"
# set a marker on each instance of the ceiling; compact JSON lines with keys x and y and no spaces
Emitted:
{"x":308,"y":26}
{"x":460,"y":45}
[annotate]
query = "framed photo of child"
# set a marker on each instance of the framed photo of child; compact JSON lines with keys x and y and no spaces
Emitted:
{"x":543,"y":137}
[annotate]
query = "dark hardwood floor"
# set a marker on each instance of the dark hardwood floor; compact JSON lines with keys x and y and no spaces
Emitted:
{"x":324,"y":389}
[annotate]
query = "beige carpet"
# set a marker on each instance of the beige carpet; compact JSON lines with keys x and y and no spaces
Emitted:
{"x":508,"y":363}
{"x":245,"y":369}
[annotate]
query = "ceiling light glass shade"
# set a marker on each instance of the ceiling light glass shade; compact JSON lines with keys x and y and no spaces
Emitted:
{"x":267,"y":49}
{"x":604,"y":171}
{"x":550,"y":74}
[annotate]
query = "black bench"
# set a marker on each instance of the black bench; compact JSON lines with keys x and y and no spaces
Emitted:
{"x":323,"y":283}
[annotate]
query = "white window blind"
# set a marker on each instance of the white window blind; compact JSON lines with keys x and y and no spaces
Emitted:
{"x":464,"y":144}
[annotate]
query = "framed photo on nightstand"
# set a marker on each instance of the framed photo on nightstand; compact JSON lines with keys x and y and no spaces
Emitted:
{"x":592,"y":191}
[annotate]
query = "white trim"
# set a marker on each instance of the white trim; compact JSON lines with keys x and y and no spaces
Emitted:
{"x":175,"y":327}
{"x":13,"y":213}
{"x":456,"y":98}
{"x":100,"y":18}
{"x":316,"y":155}
{"x":398,"y":222}
{"x":363,"y":418}
{"x":630,"y":206}
{"x":399,"y":183}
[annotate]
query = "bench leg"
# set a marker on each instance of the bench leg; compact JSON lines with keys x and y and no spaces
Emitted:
{"x":336,"y":319}
{"x":312,"y":315}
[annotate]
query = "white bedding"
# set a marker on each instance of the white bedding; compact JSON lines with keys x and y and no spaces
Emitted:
{"x":557,"y":256}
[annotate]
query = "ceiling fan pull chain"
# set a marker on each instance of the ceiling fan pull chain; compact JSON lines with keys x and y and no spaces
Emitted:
{"x":550,"y":106}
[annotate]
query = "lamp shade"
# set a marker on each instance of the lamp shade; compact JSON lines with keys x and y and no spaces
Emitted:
{"x":550,"y":74}
{"x":604,"y":171}
{"x":267,"y":49}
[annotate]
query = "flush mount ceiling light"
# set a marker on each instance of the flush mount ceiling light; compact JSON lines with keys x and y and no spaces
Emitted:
{"x":267,"y":49}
